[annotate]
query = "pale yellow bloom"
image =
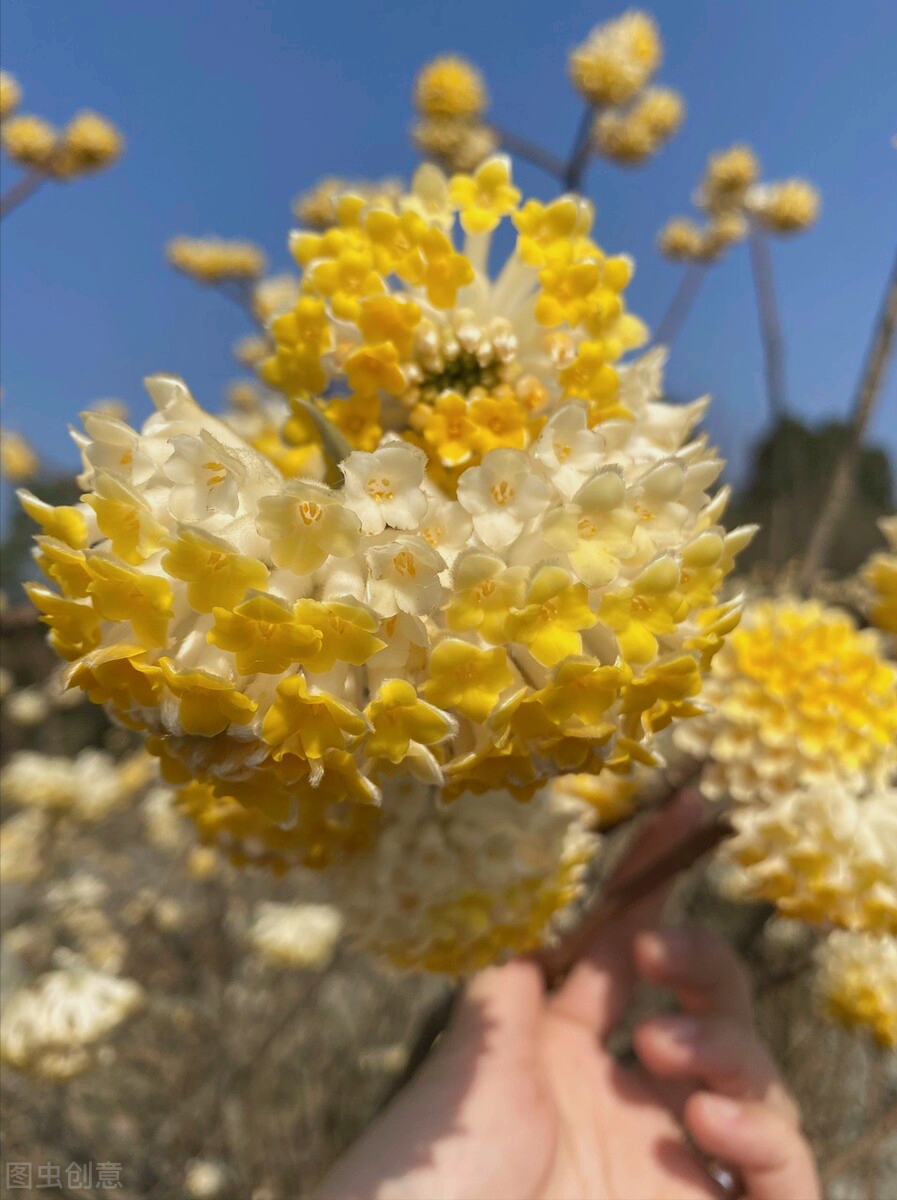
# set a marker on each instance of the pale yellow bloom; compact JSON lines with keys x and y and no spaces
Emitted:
{"x":617,"y":59}
{"x":210,"y":260}
{"x":680,"y":239}
{"x":18,"y":459}
{"x":880,"y":577}
{"x":788,"y":207}
{"x":456,"y":144}
{"x":10,"y":94}
{"x":623,"y":137}
{"x":727,"y":176}
{"x":28,"y":140}
{"x":450,"y":86}
{"x":857,"y":982}
{"x":316,"y":208}
{"x":88,"y":143}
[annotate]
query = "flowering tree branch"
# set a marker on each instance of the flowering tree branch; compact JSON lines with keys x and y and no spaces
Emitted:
{"x":680,"y":305}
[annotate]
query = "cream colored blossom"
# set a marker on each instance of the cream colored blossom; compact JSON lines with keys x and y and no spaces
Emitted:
{"x":210,"y":260}
{"x":88,"y":143}
{"x":296,"y":935}
{"x":274,"y":294}
{"x":47,"y":1028}
{"x":857,"y":982}
{"x":727,"y":177}
{"x":680,"y":239}
{"x":787,"y":207}
{"x":880,"y":578}
{"x":617,"y":59}
{"x":825,"y":854}
{"x":23,"y":837}
{"x":457,"y":144}
{"x":316,"y":208}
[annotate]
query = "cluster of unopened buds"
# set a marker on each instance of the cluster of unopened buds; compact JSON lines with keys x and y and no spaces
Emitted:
{"x":510,"y":572}
{"x":451,"y":99}
{"x":212,"y":260}
{"x":88,"y":143}
{"x":612,"y":69}
{"x":732,"y":199}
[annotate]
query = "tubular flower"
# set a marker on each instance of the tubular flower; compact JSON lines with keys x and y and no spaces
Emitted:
{"x":464,"y":884}
{"x":88,"y":143}
{"x":799,"y":697}
{"x":209,"y":260}
{"x":298,"y":653}
{"x":617,"y":59}
{"x":28,"y":140}
{"x":880,"y":577}
{"x":856,"y":982}
{"x":825,"y":854}
{"x":788,"y":207}
{"x":450,"y":86}
{"x":10,"y":94}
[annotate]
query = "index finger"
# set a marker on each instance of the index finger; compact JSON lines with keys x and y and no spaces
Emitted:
{"x":700,"y":967}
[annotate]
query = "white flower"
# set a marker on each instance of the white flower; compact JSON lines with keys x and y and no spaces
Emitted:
{"x":296,"y":935}
{"x":305,"y":525}
{"x":595,"y":529}
{"x":384,"y":488}
{"x":501,"y":495}
{"x":569,"y":450}
{"x":404,"y":575}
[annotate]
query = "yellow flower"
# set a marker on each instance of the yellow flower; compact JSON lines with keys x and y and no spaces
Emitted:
{"x":398,"y":716}
{"x":550,"y":621}
{"x":207,"y":704}
{"x":459,"y":145}
{"x":617,"y":60}
{"x":264,"y":634}
{"x":799,"y":696}
{"x":486,"y":196}
{"x":624,"y":138}
{"x":727,"y":177}
{"x":645,"y":611}
{"x":450,"y":86}
{"x":124,"y":594}
{"x":18,"y":460}
{"x":10,"y":94}
{"x":306,"y":724}
{"x":857,"y":982}
{"x":661,"y":109}
{"x":28,"y":140}
{"x":215,"y":575}
{"x":466,"y":678}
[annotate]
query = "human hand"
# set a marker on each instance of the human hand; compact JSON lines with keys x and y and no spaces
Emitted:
{"x":522,"y":1100}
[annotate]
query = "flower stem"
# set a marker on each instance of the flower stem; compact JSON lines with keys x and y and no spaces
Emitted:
{"x":579,"y":155}
{"x":680,"y":305}
{"x":770,"y":324}
{"x":872,"y":376}
{"x":20,"y":191}
{"x":533,"y":153}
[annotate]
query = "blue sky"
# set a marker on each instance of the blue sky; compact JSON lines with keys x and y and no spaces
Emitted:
{"x":232,"y":108}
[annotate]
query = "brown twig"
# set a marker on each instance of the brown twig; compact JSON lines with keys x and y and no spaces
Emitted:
{"x":17,"y":620}
{"x":557,"y":960}
{"x":524,"y":148}
{"x":680,"y":305}
{"x":20,"y":191}
{"x":872,"y":377}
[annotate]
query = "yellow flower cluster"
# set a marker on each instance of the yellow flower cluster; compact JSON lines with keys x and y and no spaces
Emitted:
{"x":799,"y":697}
{"x":88,"y":143}
{"x":617,"y":60}
{"x":211,"y":260}
{"x":788,"y":207}
{"x":28,"y":140}
{"x":880,"y":577}
{"x":273,"y":295}
{"x":316,"y":209}
{"x":732,"y":199}
{"x":514,"y":575}
{"x":857,"y":982}
{"x":18,"y":460}
{"x":612,"y":69}
{"x":10,"y":94}
{"x":451,"y":98}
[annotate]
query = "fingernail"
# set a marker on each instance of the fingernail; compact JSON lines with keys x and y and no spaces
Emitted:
{"x":684,"y":1030}
{"x":722,"y":1108}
